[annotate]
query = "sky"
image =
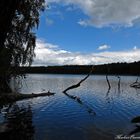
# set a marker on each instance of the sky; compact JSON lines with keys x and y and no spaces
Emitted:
{"x":88,"y":32}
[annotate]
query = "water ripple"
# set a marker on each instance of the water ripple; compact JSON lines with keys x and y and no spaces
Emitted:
{"x":72,"y":119}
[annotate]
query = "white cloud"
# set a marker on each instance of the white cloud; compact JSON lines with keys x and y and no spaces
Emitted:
{"x":49,"y":54}
{"x":135,"y":48}
{"x":103,"y":47}
{"x":49,"y":21}
{"x":103,"y":13}
{"x":82,"y":23}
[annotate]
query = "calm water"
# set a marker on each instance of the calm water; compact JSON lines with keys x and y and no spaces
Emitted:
{"x":98,"y":114}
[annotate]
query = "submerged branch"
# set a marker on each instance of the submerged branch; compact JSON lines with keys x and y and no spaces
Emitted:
{"x":79,"y":83}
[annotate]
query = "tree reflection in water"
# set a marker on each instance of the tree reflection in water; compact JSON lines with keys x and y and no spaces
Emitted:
{"x":79,"y":101}
{"x":17,"y":124}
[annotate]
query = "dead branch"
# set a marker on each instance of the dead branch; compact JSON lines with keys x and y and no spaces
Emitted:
{"x":119,"y":83}
{"x":79,"y":83}
{"x":137,"y":79}
{"x":77,"y":99}
{"x":109,"y":87}
{"x":136,"y":84}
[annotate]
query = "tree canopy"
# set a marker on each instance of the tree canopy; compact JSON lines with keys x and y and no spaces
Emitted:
{"x":19,"y":18}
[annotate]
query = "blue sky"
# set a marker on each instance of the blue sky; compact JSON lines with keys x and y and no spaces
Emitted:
{"x":76,"y":30}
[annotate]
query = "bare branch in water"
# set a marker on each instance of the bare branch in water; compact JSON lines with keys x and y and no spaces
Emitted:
{"x":79,"y":83}
{"x":136,"y":84}
{"x":77,"y":99}
{"x":119,"y":84}
{"x":109,"y":86}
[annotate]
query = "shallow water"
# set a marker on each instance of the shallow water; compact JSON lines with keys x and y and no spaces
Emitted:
{"x":99,"y":113}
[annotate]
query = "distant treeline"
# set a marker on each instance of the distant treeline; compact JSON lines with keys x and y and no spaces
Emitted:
{"x":111,"y":69}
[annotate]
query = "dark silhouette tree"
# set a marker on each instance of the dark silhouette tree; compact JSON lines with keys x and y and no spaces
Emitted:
{"x":19,"y":19}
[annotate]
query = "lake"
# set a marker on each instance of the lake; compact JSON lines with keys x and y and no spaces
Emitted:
{"x":97,"y":114}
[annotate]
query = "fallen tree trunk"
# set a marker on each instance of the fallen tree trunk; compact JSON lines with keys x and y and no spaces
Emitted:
{"x":12,"y":97}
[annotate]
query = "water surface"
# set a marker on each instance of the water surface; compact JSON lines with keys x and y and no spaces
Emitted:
{"x":99,"y":114}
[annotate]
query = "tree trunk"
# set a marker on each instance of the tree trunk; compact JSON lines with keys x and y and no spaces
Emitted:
{"x":7,"y":12}
{"x":4,"y":84}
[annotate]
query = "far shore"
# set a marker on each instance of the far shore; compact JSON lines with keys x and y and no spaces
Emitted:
{"x":126,"y":69}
